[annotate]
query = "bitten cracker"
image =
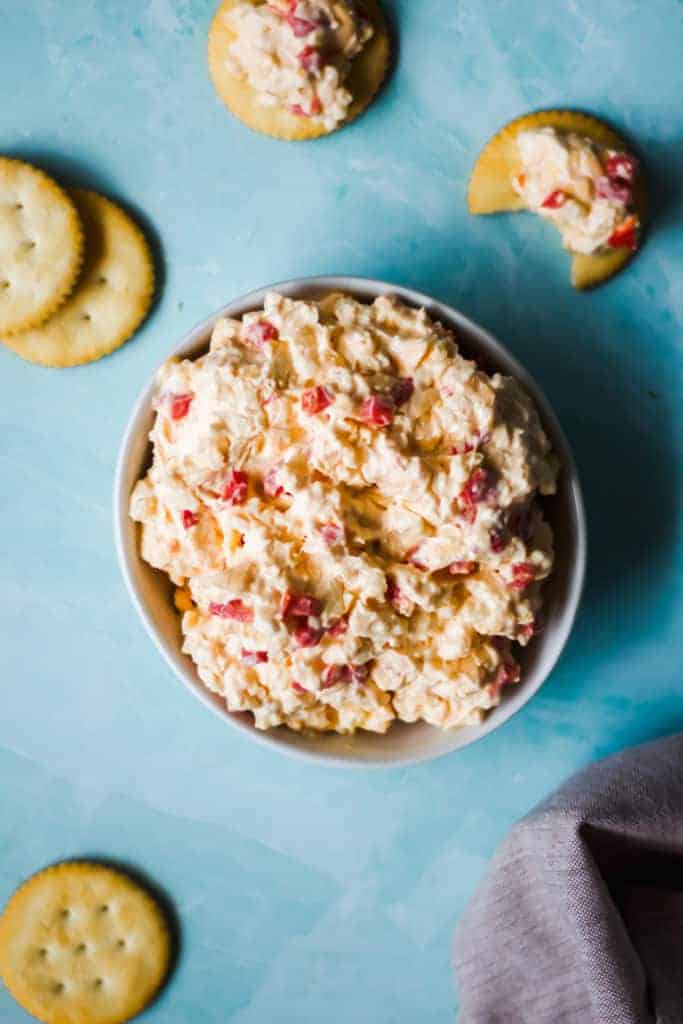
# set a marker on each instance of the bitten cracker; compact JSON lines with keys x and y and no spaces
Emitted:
{"x":41,"y":246}
{"x":490,"y":187}
{"x":367,"y":74}
{"x":112,"y":296}
{"x":83,"y":944}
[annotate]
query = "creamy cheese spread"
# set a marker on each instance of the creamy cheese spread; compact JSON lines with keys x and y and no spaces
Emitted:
{"x":297,"y":54}
{"x":349,"y":508}
{"x":586,"y":191}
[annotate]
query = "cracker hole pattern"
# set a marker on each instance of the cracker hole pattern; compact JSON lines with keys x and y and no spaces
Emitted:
{"x":97,"y":983}
{"x":58,"y":988}
{"x":80,"y":949}
{"x":121,"y":944}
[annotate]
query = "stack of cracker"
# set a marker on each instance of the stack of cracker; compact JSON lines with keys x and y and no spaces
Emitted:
{"x":76,"y":273}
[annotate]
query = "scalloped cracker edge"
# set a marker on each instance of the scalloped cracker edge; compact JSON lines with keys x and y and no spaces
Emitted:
{"x":41,"y":246}
{"x":111,"y":298}
{"x":368,"y":72}
{"x":490,"y":189}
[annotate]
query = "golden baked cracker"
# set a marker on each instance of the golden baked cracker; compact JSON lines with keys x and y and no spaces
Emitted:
{"x":82,"y":943}
{"x":591,"y":269}
{"x":111,"y":298}
{"x":41,"y":245}
{"x":368,"y":72}
{"x":490,"y":187}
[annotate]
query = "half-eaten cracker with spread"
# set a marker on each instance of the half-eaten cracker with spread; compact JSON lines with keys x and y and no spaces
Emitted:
{"x":574,"y":171}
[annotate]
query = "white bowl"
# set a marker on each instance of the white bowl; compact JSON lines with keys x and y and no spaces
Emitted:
{"x":151,"y":591}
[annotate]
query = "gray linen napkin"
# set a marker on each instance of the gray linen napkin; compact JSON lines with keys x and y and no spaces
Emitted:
{"x":579,"y":919}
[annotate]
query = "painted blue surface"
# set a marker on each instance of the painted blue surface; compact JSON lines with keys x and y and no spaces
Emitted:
{"x":308,"y":893}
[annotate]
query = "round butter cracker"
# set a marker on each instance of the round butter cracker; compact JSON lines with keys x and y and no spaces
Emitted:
{"x":490,"y":187}
{"x":367,"y":74}
{"x":41,"y":245}
{"x":111,"y":298}
{"x":82,"y":943}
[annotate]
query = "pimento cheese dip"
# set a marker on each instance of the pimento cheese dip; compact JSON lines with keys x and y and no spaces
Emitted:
{"x":585,"y":190}
{"x":297,"y":54}
{"x":349,"y":508}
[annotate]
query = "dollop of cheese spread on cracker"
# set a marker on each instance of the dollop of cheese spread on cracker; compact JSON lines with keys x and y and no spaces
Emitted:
{"x":586,"y":191}
{"x":349,"y":509}
{"x":297,"y":54}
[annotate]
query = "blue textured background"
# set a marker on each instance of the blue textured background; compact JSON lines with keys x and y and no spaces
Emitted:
{"x":309,"y":893}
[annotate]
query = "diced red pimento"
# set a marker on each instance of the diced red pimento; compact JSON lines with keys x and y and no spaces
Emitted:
{"x":523,"y":573}
{"x":190,"y":518}
{"x":291,"y":6}
{"x":300,"y":605}
{"x":316,"y":399}
{"x":508,"y":672}
{"x":260,"y":332}
{"x":272,"y":487}
{"x":332,"y":533}
{"x":236,"y":488}
{"x":396,"y":598}
{"x":179,"y":405}
{"x":360,"y":673}
{"x":499,"y":540}
{"x":235,"y":610}
{"x":336,"y":674}
{"x":462,"y":449}
{"x":254,"y":657}
{"x":377,"y":411}
{"x":413,"y":559}
{"x":555,"y":200}
{"x":402,"y":391}
{"x":301,"y":27}
{"x":316,"y":108}
{"x":463,"y":567}
{"x":298,"y":688}
{"x":625,"y":236}
{"x":307,"y":635}
{"x":479,"y":487}
{"x":616,"y":189}
{"x":622,"y":166}
{"x":526,"y":632}
{"x":311,"y":59}
{"x":339,"y":627}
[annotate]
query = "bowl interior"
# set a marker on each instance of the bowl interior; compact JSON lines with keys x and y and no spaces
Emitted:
{"x":151,"y":590}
